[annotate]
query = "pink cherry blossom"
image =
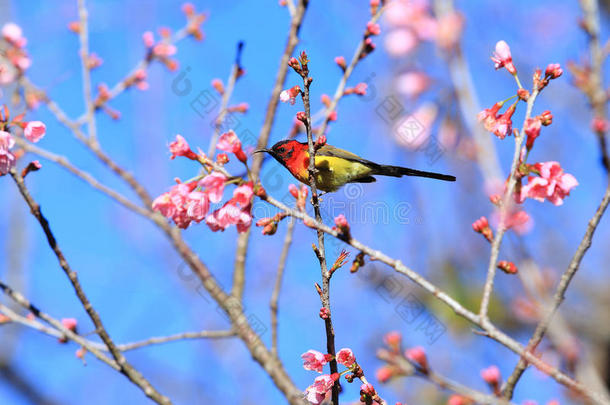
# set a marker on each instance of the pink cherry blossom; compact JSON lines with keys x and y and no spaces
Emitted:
{"x":400,"y":42}
{"x":229,"y":142}
{"x":164,"y":50}
{"x":316,"y":392}
{"x":553,"y":184}
{"x":372,"y":28}
{"x":214,"y":184}
{"x":314,"y":360}
{"x":346,"y":357}
{"x":491,"y":375}
{"x":7,"y":159}
{"x":532,"y":130}
{"x":34,"y":131}
{"x":243,"y":194}
{"x":412,"y":84}
{"x":149,"y":39}
{"x":229,"y":214}
{"x":181,"y":148}
{"x":393,"y":339}
{"x":290,"y":95}
{"x":417,"y":355}
{"x":489,"y":116}
{"x":197,"y":205}
{"x":13,"y":34}
{"x":503,"y":58}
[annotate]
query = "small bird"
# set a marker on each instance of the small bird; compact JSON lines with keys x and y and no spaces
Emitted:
{"x":336,"y":167}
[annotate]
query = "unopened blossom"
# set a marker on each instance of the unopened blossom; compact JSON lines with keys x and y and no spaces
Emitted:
{"x":7,"y":159}
{"x":367,"y":389}
{"x":33,"y":166}
{"x":600,"y":125}
{"x":346,"y":357}
{"x":181,"y":148}
{"x":149,"y":39}
{"x":341,"y":224}
{"x":412,"y":84}
{"x":546,"y":118}
{"x":552,"y":184}
{"x":372,"y":28}
{"x":384,"y":373}
{"x":340,"y":61}
{"x":324,"y":313}
{"x":314,"y":360}
{"x":218,"y":86}
{"x":553,"y":71}
{"x":507,"y":267}
{"x":457,"y":400}
{"x":70,"y":324}
{"x":532,"y":131}
{"x":491,"y":376}
{"x":503,"y":58}
{"x":360,"y":89}
{"x":290,"y":95}
{"x":418,"y":356}
{"x":240,"y":108}
{"x":481,"y":226}
{"x":393,"y":339}
{"x":214,"y":185}
{"x":400,"y":42}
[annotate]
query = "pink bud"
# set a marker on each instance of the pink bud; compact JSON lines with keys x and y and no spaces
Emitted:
{"x":418,"y":356}
{"x":340,"y":60}
{"x":491,"y":375}
{"x":553,"y":70}
{"x":302,"y":117}
{"x":507,"y":267}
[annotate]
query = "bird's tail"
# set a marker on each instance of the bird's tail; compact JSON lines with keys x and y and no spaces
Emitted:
{"x":397,"y":171}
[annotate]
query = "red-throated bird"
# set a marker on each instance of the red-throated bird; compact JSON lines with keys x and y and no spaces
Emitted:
{"x":336,"y":167}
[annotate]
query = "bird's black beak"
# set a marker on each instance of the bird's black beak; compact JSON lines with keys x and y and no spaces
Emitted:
{"x":263,"y":150}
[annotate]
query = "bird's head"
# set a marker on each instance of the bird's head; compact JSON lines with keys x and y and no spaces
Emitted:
{"x":285,"y":151}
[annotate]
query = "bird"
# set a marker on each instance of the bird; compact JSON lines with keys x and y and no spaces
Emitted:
{"x":336,"y":167}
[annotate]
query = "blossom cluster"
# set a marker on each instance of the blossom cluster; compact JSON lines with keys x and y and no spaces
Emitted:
{"x":33,"y":131}
{"x":14,"y":59}
{"x":321,"y":388}
{"x":191,"y":201}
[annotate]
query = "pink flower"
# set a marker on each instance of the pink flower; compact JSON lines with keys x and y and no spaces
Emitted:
{"x":139,"y":79}
{"x":341,"y":224}
{"x":34,"y":131}
{"x":7,"y":159}
{"x":412,"y":84}
{"x":149,"y":39}
{"x":13,"y":34}
{"x":532,"y":130}
{"x":360,"y":89}
{"x":372,"y":28}
{"x":553,"y":71}
{"x":230,"y":214}
{"x":314,"y":360}
{"x":229,"y":142}
{"x":346,"y":357}
{"x":418,"y":356}
{"x":69,"y":323}
{"x":214,"y":184}
{"x":503,"y":125}
{"x":290,"y":95}
{"x":553,"y":184}
{"x":181,"y":148}
{"x":243,"y":194}
{"x":489,"y":116}
{"x":384,"y":374}
{"x":393,"y":339}
{"x":400,"y":42}
{"x":503,"y":58}
{"x":197,"y":205}
{"x":449,"y":30}
{"x":316,"y":393}
{"x":164,"y":205}
{"x":340,"y":60}
{"x":164,"y":50}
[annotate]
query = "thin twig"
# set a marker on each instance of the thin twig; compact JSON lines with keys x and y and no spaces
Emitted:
{"x":506,"y":202}
{"x":127,"y":369}
{"x":346,"y":75}
{"x":320,"y":251}
{"x":263,"y":139}
{"x":559,"y":295}
{"x":226,"y":96}
{"x":278,"y":283}
{"x":86,"y":72}
{"x":488,"y":328}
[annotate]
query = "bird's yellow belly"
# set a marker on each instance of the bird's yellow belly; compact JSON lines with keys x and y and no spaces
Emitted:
{"x":334,"y":172}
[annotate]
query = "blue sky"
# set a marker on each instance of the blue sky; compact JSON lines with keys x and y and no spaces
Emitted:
{"x":132,"y":275}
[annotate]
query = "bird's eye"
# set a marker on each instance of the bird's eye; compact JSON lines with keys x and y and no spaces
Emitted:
{"x":281,"y":150}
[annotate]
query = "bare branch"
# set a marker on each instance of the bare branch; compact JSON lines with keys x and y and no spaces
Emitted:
{"x":127,"y":369}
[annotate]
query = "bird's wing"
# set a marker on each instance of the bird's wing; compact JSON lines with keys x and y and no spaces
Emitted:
{"x":327,"y":150}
